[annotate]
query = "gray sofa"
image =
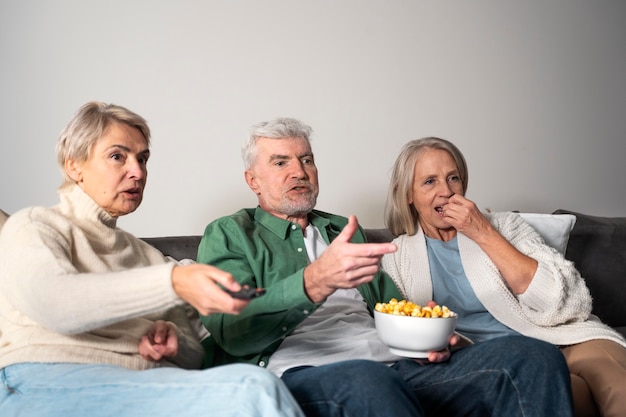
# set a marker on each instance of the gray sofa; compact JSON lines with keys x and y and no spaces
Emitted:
{"x":597,"y":246}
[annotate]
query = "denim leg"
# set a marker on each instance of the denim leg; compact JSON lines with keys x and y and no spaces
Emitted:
{"x":62,"y":390}
{"x":508,"y":376}
{"x":354,"y":388}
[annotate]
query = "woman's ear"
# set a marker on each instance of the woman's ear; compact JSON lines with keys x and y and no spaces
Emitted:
{"x":73,"y":169}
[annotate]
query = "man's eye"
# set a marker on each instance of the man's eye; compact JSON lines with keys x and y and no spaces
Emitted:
{"x":307,"y":161}
{"x":279,"y":163}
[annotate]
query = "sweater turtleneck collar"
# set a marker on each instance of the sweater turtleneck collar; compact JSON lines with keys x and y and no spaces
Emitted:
{"x":82,"y":207}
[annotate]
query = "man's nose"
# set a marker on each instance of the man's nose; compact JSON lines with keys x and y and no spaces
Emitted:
{"x":299,"y":171}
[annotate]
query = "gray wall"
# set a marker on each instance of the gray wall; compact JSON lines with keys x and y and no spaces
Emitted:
{"x":533,"y":92}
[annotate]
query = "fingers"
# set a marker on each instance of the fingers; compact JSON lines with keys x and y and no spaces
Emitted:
{"x":201,"y":286}
{"x":160,"y":341}
{"x":169,"y":347}
{"x":146,"y":351}
{"x":440,"y":356}
{"x":361,"y":249}
{"x":222,"y":277}
{"x":348,"y":230}
{"x":159,"y":331}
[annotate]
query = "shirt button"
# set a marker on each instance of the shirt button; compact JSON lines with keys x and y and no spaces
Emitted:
{"x":284,"y":329}
{"x":293,"y":227}
{"x":262,"y":364}
{"x":299,"y":249}
{"x":305,"y":311}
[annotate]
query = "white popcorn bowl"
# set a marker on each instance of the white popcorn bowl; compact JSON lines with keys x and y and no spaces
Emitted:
{"x":414,"y":337}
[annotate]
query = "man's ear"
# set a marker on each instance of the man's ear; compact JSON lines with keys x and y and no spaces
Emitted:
{"x":73,"y":169}
{"x":251,"y":181}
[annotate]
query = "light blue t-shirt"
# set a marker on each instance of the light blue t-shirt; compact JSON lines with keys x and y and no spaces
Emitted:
{"x":452,"y":288}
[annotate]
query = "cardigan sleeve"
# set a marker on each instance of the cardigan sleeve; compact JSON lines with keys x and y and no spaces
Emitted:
{"x":557,"y":294}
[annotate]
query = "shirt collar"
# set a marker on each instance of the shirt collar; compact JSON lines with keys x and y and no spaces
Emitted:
{"x":281,"y":227}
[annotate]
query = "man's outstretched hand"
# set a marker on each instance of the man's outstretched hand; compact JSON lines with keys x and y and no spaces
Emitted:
{"x":344,"y":264}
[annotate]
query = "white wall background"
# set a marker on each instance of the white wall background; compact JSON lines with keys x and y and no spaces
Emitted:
{"x":533,"y":92}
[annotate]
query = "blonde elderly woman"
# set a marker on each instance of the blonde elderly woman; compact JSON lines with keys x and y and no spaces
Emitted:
{"x":496,"y":272}
{"x":93,"y":321}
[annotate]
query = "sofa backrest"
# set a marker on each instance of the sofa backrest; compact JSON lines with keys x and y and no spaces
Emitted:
{"x":597,"y":246}
{"x":178,"y":247}
{"x":186,"y":247}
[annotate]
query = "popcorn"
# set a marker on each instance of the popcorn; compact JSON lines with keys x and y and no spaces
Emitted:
{"x":408,"y":308}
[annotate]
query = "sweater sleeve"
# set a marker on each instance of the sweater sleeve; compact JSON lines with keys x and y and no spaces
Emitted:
{"x":557,"y":293}
{"x":47,"y":277}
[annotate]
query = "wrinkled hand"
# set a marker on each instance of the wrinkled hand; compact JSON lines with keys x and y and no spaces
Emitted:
{"x":198,"y":285}
{"x":443,"y":355}
{"x":517,"y":268}
{"x":344,"y":264}
{"x":465,"y":217}
{"x":161,"y":341}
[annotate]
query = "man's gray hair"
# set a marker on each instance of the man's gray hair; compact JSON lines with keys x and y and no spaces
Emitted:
{"x":279,"y":128}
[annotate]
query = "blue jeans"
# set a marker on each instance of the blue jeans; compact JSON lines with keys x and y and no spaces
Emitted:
{"x":65,"y":390}
{"x":508,"y":376}
{"x":354,"y":388}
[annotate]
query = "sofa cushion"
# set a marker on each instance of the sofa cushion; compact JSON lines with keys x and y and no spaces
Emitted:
{"x":597,"y":246}
{"x":555,"y":229}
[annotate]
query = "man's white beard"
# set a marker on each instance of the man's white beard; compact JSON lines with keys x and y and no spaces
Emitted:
{"x":292,"y":208}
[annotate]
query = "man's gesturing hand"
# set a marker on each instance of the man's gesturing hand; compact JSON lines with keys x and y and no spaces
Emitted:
{"x":344,"y":264}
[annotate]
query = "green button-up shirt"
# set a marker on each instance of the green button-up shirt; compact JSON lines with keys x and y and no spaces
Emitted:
{"x":262,"y":250}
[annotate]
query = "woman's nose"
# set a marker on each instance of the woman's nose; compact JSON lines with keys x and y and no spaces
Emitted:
{"x":446,"y":190}
{"x":137,"y":169}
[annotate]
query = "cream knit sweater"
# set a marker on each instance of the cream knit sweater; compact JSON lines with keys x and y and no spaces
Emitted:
{"x":74,"y":288}
{"x":556,"y":307}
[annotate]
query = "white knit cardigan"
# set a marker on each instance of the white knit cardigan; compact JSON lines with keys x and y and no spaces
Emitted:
{"x":555,"y":308}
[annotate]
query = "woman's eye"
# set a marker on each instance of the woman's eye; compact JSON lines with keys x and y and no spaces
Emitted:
{"x":117,"y":156}
{"x":455,"y":178}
